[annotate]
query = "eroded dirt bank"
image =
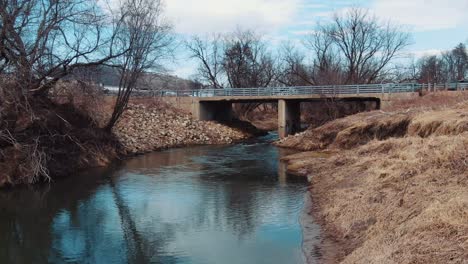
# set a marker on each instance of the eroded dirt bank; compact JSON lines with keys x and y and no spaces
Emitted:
{"x":389,"y":187}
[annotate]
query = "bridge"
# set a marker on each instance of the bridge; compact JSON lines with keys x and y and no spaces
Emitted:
{"x":216,"y":104}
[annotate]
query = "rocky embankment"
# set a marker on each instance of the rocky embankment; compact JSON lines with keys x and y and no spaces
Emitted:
{"x":143,"y":129}
{"x":389,"y":187}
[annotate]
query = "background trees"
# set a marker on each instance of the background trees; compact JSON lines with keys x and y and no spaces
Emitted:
{"x":456,"y":63}
{"x":209,"y":54}
{"x":236,"y":60}
{"x":354,"y":48}
{"x":247,"y":62}
{"x":365,"y":44}
{"x":240,"y":59}
{"x":449,"y":66}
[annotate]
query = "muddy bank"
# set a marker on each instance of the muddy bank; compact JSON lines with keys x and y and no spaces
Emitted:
{"x":390,"y":186}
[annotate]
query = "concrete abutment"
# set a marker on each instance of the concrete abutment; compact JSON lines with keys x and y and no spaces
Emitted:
{"x":217,"y":110}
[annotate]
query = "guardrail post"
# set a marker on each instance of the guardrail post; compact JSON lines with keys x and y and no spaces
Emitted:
{"x":357,"y":90}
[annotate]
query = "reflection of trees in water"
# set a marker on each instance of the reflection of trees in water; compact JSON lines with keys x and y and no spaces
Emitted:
{"x":133,"y":240}
{"x":233,"y":182}
{"x":237,"y":195}
{"x":42,"y":226}
{"x":139,"y":248}
{"x":39,"y":226}
{"x":27,"y":215}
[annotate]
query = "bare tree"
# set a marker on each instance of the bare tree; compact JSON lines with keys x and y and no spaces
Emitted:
{"x":41,"y":41}
{"x":326,"y":68}
{"x":209,"y":53}
{"x":237,"y":60}
{"x":147,"y":39}
{"x":247,"y":61}
{"x":365,"y":44}
{"x":293,"y":71}
{"x":354,"y":48}
{"x":408,"y":71}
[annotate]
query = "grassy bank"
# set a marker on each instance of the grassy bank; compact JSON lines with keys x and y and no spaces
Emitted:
{"x":391,"y":186}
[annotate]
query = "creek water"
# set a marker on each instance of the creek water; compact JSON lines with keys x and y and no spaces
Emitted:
{"x":210,"y":204}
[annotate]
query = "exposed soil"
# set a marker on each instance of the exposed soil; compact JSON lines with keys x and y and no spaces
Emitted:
{"x":390,"y":187}
{"x":49,"y":141}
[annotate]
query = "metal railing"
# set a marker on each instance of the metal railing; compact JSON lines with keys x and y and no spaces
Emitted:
{"x":328,"y":90}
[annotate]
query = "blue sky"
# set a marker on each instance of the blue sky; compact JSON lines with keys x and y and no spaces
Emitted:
{"x":436,"y":25}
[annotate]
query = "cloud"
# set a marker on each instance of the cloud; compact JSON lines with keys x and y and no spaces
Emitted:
{"x":204,"y":16}
{"x":423,"y":15}
{"x":423,"y":53}
{"x":303,"y":32}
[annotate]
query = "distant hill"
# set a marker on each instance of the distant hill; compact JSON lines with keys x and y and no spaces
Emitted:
{"x":109,"y":76}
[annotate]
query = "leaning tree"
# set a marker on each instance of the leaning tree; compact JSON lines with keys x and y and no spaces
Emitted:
{"x":145,"y":39}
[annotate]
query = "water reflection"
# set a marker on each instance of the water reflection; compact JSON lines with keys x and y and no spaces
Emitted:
{"x":226,"y":204}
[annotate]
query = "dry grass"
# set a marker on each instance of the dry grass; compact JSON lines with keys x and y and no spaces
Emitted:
{"x":395,"y":201}
{"x":395,"y":191}
{"x":356,"y":130}
{"x":351,"y":131}
{"x":432,"y":101}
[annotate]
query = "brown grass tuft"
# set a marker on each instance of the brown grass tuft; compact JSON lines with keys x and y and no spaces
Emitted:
{"x":396,"y":201}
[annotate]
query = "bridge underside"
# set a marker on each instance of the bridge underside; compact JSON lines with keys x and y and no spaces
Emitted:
{"x":289,"y":110}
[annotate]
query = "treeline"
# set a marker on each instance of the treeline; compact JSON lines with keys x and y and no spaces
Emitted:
{"x":353,"y":48}
{"x":450,"y":66}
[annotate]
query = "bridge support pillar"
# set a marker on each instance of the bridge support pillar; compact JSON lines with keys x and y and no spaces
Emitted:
{"x":289,"y":117}
{"x":217,"y":111}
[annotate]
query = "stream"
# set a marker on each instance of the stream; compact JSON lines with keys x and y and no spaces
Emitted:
{"x":209,"y":204}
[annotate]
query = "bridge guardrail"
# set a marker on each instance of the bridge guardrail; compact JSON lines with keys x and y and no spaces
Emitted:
{"x":327,"y":90}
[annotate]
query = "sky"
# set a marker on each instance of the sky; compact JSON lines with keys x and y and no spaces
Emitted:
{"x":436,"y":25}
